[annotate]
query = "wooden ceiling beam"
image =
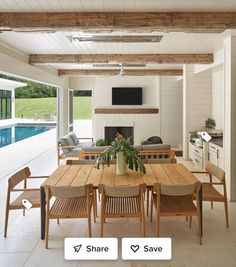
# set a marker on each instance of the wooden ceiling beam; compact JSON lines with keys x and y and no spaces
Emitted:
{"x":122,"y":58}
{"x":127,"y":72}
{"x":204,"y":22}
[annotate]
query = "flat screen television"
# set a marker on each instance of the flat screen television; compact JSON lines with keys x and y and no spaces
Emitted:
{"x":127,"y":95}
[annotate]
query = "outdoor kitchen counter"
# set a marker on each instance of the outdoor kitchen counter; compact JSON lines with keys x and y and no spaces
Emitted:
{"x":217,"y":141}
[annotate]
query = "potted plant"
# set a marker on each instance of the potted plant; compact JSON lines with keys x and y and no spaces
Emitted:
{"x":210,"y":123}
{"x":125,"y":155}
{"x":101,"y":142}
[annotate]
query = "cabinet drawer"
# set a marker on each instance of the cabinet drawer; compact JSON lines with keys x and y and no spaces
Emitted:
{"x":197,"y":162}
{"x":197,"y":151}
{"x":213,"y":147}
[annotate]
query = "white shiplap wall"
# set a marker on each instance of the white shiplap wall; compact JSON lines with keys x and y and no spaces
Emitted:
{"x":229,"y":114}
{"x":218,"y":96}
{"x":171,"y":110}
{"x":197,"y":102}
{"x":145,"y":125}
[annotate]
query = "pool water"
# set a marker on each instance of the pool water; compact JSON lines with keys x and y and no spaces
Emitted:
{"x":17,"y":133}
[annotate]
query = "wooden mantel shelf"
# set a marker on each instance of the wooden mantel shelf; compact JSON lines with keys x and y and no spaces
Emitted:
{"x":126,"y":110}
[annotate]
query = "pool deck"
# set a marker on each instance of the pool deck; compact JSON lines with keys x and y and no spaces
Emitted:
{"x":21,"y":153}
{"x":12,"y":122}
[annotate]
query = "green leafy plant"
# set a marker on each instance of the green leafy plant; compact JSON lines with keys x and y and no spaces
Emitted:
{"x":101,"y":142}
{"x":132,"y":159}
{"x":210,"y":123}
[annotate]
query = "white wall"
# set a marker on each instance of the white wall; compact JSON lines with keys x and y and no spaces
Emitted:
{"x":229,"y":114}
{"x":171,"y":110}
{"x":197,"y":102}
{"x":145,"y":125}
{"x":103,"y":90}
{"x":218,"y":96}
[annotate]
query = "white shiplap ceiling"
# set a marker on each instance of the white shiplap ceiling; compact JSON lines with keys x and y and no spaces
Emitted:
{"x":58,"y":43}
{"x":116,"y":5}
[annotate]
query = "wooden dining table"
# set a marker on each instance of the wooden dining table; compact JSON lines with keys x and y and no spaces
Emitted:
{"x":76,"y":175}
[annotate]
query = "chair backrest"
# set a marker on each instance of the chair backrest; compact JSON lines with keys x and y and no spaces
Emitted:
{"x":167,"y":155}
{"x":70,"y":191}
{"x":123,"y":191}
{"x":215,"y":171}
{"x":80,"y":162}
{"x":175,"y":190}
{"x":18,"y":177}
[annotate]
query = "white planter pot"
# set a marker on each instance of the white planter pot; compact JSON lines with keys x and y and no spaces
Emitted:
{"x":120,"y":164}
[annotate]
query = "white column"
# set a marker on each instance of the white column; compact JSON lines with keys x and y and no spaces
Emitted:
{"x":230,"y":115}
{"x":63,"y":109}
{"x":197,"y":95}
{"x":13,"y":103}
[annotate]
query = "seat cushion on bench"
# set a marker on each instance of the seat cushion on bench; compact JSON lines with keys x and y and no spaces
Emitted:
{"x":73,"y":153}
{"x":156,"y":147}
{"x":94,"y":148}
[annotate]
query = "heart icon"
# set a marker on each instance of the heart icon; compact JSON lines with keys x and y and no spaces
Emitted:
{"x":135,"y":248}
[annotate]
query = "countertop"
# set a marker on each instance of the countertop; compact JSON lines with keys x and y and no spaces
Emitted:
{"x":217,"y":141}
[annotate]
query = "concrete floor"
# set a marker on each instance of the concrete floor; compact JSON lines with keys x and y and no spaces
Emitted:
{"x":23,"y":246}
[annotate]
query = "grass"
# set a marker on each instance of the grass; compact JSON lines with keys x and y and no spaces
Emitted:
{"x":28,"y":107}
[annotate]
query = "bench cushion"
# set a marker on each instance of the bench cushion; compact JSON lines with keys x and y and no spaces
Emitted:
{"x":156,"y":147}
{"x":66,"y":141}
{"x":74,"y":138}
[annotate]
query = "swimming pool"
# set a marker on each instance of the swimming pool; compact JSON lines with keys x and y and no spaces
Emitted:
{"x":18,"y":132}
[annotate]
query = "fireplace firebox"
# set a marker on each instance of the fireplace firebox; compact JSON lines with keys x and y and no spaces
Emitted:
{"x":110,"y":132}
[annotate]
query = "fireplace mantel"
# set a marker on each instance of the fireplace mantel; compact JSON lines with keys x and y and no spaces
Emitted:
{"x":126,"y":110}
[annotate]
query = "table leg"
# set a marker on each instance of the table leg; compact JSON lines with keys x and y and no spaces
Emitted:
{"x":43,"y":206}
{"x":201,"y":210}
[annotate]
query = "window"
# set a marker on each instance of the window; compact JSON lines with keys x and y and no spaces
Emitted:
{"x":5,"y":104}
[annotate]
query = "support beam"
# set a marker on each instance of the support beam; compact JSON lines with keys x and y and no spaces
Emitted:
{"x":204,"y":22}
{"x":127,"y":72}
{"x":122,"y":58}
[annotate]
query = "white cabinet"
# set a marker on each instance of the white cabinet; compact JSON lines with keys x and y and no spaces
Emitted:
{"x":199,"y":155}
{"x":216,"y":155}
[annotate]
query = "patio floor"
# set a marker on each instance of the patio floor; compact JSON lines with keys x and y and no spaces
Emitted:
{"x":23,"y":246}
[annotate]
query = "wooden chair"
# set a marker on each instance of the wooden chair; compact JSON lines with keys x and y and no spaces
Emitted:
{"x":70,"y":202}
{"x":210,"y":193}
{"x":176,"y":200}
{"x":31,"y":194}
{"x":122,"y":201}
{"x":156,"y":157}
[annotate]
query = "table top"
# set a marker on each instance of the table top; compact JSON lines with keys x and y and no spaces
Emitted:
{"x":76,"y":175}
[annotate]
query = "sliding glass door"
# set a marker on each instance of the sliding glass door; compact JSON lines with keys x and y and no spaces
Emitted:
{"x":5,"y":104}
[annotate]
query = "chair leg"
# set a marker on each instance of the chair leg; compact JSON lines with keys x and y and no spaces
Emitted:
{"x":151,"y":212}
{"x":23,"y":212}
{"x":6,"y":222}
{"x":102,"y":222}
{"x":143,"y":225}
{"x":226,"y":214}
{"x":46,"y":231}
{"x":186,"y":218}
{"x":199,"y":229}
{"x":57,"y":221}
{"x":148,"y":201}
{"x":190,"y":221}
{"x":158,"y":225}
{"x":89,"y":225}
{"x":211,"y":204}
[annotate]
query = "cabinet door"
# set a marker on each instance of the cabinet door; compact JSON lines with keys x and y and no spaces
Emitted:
{"x":191,"y":149}
{"x":213,"y":157}
{"x":220,"y":160}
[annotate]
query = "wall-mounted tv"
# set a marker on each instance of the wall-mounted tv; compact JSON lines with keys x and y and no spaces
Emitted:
{"x":127,"y":95}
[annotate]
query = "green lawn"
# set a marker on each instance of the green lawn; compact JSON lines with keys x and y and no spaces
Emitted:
{"x":29,"y":106}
